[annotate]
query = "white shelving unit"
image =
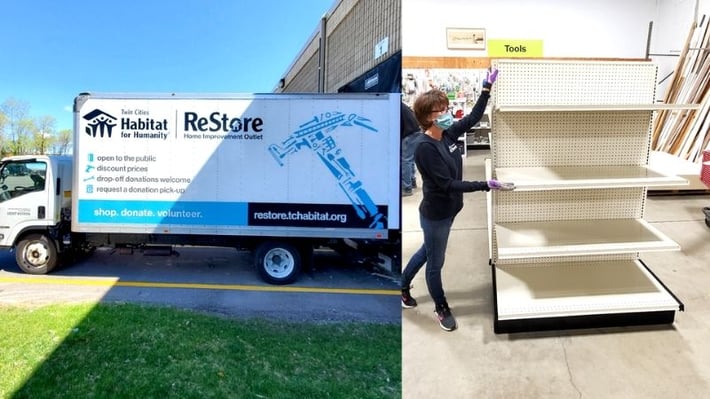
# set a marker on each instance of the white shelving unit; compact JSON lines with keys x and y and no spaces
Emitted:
{"x":574,"y":136}
{"x":460,"y":104}
{"x":479,"y":135}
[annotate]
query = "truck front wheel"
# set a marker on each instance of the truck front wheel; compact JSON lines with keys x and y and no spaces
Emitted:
{"x":278,"y":262}
{"x":36,"y":254}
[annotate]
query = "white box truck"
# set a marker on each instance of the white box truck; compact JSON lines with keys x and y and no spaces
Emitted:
{"x":278,"y":174}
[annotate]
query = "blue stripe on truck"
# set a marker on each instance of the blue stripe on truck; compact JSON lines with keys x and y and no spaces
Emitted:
{"x":163,"y":212}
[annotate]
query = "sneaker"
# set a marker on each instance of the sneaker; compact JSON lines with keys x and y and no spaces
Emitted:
{"x":446,"y":319}
{"x":407,"y":301}
{"x":407,"y":193}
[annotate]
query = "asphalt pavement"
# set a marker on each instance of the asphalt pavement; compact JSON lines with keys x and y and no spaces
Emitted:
{"x":215,"y":280}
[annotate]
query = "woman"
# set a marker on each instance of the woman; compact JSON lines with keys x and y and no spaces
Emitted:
{"x":438,"y":159}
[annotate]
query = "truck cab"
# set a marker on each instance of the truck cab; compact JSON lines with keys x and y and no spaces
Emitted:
{"x":35,"y":191}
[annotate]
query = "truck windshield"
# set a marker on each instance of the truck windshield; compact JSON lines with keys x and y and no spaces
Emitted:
{"x":21,"y":177}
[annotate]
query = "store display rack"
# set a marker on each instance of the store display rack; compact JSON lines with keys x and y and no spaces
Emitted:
{"x":574,"y":136}
{"x":477,"y":137}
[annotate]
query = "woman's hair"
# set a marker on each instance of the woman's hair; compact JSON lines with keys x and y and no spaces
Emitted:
{"x":425,"y":104}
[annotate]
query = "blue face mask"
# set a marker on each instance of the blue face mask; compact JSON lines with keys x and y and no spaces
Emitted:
{"x":444,"y":121}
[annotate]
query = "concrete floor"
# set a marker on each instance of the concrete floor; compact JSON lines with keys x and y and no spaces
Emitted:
{"x":667,"y":361}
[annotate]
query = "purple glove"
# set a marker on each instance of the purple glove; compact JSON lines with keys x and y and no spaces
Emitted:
{"x":498,"y":185}
{"x":492,"y":75}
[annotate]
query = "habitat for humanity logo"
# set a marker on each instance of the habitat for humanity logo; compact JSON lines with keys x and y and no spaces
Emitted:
{"x":99,"y":123}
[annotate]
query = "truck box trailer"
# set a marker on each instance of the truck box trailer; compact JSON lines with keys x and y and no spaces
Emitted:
{"x":279,"y":174}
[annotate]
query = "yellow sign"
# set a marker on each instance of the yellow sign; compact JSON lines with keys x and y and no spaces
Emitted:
{"x":508,"y":48}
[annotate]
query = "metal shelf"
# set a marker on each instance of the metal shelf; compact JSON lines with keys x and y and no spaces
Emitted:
{"x":526,"y":291}
{"x":581,"y":177}
{"x":521,"y":240}
{"x":593,"y":107}
{"x":564,"y":246}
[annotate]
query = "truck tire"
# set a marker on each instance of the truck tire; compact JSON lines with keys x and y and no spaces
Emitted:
{"x":278,"y":262}
{"x":36,"y":254}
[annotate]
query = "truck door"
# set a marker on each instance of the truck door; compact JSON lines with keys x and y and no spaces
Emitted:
{"x":24,"y":197}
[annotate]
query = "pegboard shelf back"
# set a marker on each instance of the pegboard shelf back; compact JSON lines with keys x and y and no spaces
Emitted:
{"x":574,"y":83}
{"x":563,"y":138}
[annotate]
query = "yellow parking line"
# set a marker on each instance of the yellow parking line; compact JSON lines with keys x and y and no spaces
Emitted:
{"x":104,"y":282}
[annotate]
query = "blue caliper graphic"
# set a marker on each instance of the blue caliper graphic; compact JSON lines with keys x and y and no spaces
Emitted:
{"x":315,"y":135}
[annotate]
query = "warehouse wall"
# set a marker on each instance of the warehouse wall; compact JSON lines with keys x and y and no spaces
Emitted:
{"x":672,"y":23}
{"x":567,"y":28}
{"x":355,"y":31}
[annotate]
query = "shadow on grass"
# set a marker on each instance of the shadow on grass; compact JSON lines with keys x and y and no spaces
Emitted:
{"x":231,"y":344}
{"x":129,"y":350}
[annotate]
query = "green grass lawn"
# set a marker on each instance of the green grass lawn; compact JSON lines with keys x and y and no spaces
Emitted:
{"x":132,"y":351}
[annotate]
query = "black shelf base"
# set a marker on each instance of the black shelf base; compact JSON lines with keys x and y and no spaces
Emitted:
{"x":581,"y":322}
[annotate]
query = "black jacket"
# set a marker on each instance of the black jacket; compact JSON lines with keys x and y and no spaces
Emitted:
{"x":408,"y":122}
{"x":441,"y":167}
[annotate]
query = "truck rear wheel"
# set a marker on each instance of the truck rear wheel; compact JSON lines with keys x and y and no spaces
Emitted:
{"x":278,"y":262}
{"x":36,"y":254}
